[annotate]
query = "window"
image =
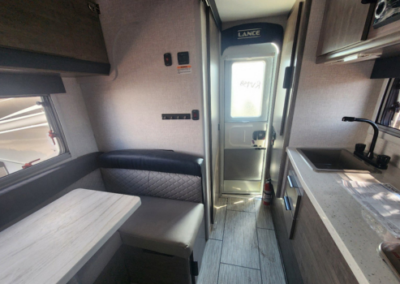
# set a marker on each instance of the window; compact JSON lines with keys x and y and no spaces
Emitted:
{"x":389,"y":114}
{"x":29,"y":133}
{"x":247,"y":89}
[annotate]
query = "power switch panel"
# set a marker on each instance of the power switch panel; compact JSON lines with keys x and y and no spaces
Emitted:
{"x":167,"y":59}
{"x":195,"y":114}
{"x":183,"y":58}
{"x":167,"y":116}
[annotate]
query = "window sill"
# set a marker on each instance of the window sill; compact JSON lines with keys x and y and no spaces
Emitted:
{"x":34,"y":170}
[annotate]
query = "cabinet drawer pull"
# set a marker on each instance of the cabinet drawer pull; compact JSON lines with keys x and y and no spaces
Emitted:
{"x":292,"y":183}
{"x":287,"y":203}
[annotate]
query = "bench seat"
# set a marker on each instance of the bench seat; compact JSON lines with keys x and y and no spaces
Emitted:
{"x":165,"y":226}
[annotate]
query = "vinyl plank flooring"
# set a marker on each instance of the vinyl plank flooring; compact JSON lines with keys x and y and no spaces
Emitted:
{"x":210,"y":265}
{"x":264,"y":216}
{"x":217,"y":231}
{"x":241,"y":204}
{"x":240,"y":246}
{"x":271,"y":264}
{"x":229,"y":274}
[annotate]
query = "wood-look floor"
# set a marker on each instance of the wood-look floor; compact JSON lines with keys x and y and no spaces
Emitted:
{"x":242,"y":248}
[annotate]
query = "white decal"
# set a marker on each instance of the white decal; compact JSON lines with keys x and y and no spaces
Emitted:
{"x":250,"y":85}
{"x":251,"y":33}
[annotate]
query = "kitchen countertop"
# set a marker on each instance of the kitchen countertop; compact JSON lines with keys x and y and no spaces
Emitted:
{"x":354,"y":229}
{"x":53,"y":243}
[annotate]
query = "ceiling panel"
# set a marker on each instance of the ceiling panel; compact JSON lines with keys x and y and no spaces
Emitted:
{"x":233,"y":10}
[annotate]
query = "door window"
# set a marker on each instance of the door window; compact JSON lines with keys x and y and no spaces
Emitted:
{"x":247,"y":89}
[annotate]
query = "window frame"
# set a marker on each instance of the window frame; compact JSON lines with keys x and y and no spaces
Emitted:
{"x":55,"y":125}
{"x":382,"y":104}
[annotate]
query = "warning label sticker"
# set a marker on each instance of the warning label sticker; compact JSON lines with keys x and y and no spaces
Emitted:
{"x":184,"y":69}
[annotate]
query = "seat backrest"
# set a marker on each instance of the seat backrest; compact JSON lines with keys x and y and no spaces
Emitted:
{"x":157,"y":173}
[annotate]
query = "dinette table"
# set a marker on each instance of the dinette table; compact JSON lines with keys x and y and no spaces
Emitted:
{"x":53,"y":243}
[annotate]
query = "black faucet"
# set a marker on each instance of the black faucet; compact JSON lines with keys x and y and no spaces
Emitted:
{"x":370,"y":153}
{"x":381,"y":161}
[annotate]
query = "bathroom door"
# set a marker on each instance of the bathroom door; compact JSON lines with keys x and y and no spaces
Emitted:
{"x":247,"y":94}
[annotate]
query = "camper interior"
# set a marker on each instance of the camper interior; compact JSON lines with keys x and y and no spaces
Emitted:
{"x":199,"y":141}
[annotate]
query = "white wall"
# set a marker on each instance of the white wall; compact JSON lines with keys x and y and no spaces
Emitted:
{"x":72,"y":113}
{"x":326,"y":93}
{"x":387,"y":144}
{"x":125,"y":108}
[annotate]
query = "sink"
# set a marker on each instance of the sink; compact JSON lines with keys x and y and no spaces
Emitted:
{"x":334,"y":160}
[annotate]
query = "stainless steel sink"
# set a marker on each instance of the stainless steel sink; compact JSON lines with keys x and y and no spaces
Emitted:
{"x":334,"y":160}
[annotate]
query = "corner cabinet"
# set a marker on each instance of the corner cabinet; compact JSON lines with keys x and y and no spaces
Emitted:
{"x":348,"y":35}
{"x":317,"y":254}
{"x":47,"y":35}
{"x":346,"y":22}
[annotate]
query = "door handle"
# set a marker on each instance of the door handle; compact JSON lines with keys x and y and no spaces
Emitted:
{"x":287,"y":79}
{"x":287,"y":203}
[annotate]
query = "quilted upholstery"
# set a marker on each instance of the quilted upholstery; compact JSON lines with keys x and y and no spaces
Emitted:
{"x":132,"y":182}
{"x":175,"y":186}
{"x":155,"y":184}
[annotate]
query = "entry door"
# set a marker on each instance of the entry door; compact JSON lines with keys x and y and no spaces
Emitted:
{"x":247,"y":94}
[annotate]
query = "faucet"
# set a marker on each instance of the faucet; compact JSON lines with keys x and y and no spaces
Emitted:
{"x":370,"y":154}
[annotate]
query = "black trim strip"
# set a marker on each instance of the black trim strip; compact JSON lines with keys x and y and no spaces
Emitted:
{"x":21,"y":59}
{"x":15,"y":84}
{"x":165,"y":161}
{"x":386,"y":68}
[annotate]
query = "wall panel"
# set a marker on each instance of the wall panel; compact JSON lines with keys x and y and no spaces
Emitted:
{"x":125,"y":108}
{"x":326,"y":93}
{"x":71,"y":111}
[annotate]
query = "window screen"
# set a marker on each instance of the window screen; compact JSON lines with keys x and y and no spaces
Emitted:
{"x":247,"y":89}
{"x":389,"y":114}
{"x":28,"y":135}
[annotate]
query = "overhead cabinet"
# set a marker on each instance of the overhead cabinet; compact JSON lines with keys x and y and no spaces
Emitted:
{"x":348,"y":33}
{"x":49,"y":32}
{"x":346,"y":22}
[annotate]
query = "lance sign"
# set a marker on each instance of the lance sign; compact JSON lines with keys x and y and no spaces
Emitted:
{"x":250,"y":33}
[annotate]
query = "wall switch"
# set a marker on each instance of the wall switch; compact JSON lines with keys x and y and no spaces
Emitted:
{"x":167,"y":59}
{"x":183,"y":58}
{"x":195,"y":114}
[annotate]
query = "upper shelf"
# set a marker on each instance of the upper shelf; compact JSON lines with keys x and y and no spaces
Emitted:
{"x":46,"y":35}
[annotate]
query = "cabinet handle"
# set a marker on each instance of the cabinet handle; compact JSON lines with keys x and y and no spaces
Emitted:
{"x":292,"y":183}
{"x":287,"y":203}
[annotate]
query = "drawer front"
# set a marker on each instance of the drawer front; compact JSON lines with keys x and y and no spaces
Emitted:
{"x":292,"y":197}
{"x":293,"y":193}
{"x":288,"y":214}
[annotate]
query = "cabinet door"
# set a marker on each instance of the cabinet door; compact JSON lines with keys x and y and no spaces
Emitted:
{"x":319,"y":259}
{"x":346,"y":22}
{"x":64,"y":27}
